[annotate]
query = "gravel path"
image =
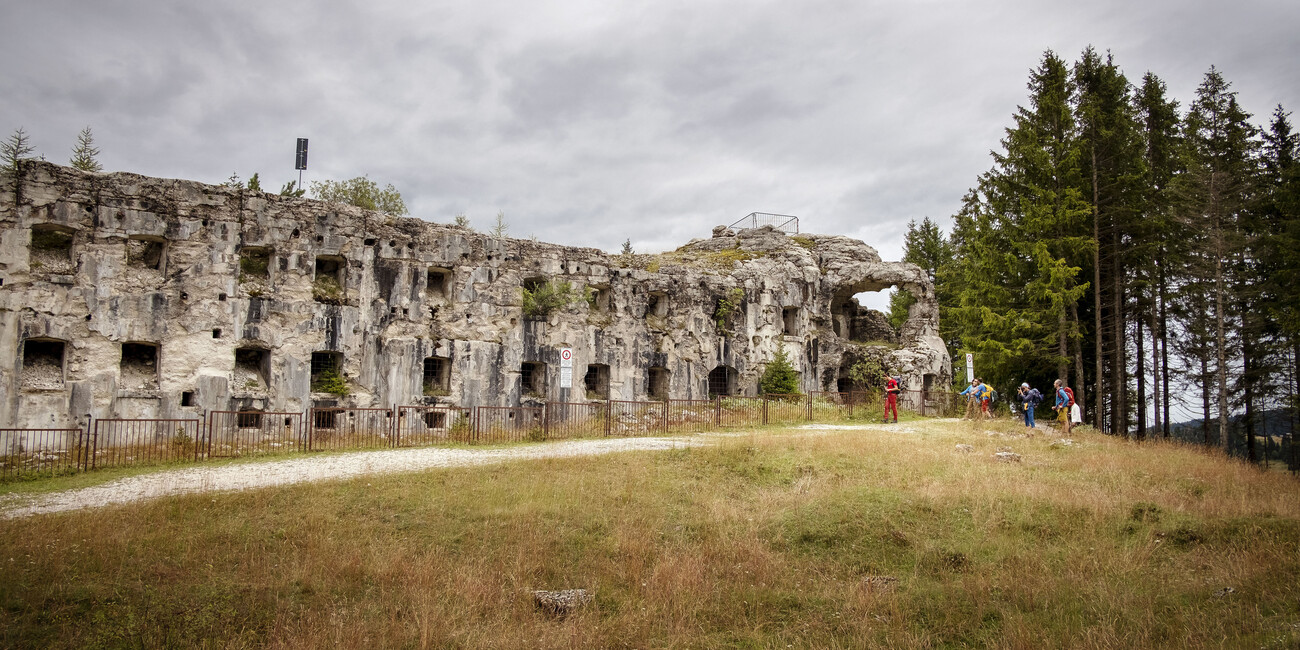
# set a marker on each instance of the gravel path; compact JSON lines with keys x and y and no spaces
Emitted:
{"x":245,"y":476}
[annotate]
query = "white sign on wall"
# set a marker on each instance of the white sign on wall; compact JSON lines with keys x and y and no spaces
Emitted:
{"x":566,"y":367}
{"x":970,"y":367}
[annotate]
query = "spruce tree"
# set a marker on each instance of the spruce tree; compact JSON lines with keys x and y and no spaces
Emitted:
{"x":1021,"y":242}
{"x":1160,"y":245}
{"x":1112,"y":164}
{"x":1213,"y":194}
{"x":84,"y":154}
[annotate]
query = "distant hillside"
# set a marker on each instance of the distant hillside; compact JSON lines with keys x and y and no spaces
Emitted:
{"x":1277,"y":425}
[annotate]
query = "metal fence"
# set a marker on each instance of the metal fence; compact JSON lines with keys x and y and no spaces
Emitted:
{"x":40,"y":452}
{"x":332,"y":429}
{"x":230,"y":434}
{"x":121,"y":441}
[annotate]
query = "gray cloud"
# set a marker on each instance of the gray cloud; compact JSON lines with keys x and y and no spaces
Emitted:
{"x":589,"y":123}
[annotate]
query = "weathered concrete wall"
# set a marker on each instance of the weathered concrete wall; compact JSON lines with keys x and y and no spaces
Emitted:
{"x":138,"y":283}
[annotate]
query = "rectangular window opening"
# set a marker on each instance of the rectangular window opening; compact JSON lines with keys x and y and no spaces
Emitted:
{"x":51,"y":249}
{"x":790,"y":321}
{"x":145,"y":253}
{"x":327,"y":285}
{"x":252,"y":368}
{"x":435,"y":420}
{"x":248,"y":420}
{"x":43,"y":363}
{"x":254,"y":264}
{"x":596,"y":381}
{"x":187,"y":398}
{"x":658,"y":383}
{"x":532,"y":379}
{"x":438,"y":283}
{"x":139,"y":366}
{"x":437,"y":376}
{"x":326,"y":370}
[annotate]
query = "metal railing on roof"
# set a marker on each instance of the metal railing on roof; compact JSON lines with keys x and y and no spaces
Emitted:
{"x":783,"y":222}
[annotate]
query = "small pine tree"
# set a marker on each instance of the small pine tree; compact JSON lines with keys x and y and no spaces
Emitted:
{"x":291,"y":189}
{"x":254,"y":183}
{"x":83,"y":155}
{"x":462,"y":221}
{"x":627,"y":246}
{"x":779,"y":377}
{"x":500,"y":229}
{"x":15,"y":150}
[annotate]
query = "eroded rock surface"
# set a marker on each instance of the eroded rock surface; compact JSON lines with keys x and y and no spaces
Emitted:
{"x":129,"y":296}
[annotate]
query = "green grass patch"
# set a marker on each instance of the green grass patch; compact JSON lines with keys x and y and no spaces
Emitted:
{"x":770,"y":539}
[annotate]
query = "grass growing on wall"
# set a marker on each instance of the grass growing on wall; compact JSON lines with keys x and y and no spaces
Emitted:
{"x":767,"y":540}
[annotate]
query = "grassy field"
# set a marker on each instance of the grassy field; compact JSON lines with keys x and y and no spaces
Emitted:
{"x":782,"y":538}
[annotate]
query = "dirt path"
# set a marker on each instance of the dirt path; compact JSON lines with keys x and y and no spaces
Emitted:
{"x":305,"y":469}
{"x":245,"y":476}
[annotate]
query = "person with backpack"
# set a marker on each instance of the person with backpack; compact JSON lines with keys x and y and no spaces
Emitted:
{"x":891,"y":397}
{"x":1029,"y":398}
{"x":973,"y":393}
{"x":1064,"y":402}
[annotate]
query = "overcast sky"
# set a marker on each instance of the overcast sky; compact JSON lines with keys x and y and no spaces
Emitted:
{"x":588,"y":123}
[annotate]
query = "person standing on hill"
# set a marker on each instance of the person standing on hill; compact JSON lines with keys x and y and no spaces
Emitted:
{"x":891,"y":398}
{"x":1029,"y":398}
{"x":972,"y":395}
{"x":1064,"y":400}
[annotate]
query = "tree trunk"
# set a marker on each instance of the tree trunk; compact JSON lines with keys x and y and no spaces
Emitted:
{"x":1078,"y":357}
{"x":1119,"y":382}
{"x":1164,"y":350}
{"x":1220,"y":338}
{"x":1098,"y":411}
{"x":1141,"y":381}
{"x":1155,"y":373}
{"x":1205,"y":398}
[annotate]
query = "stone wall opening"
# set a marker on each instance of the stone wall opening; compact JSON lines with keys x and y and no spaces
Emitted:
{"x":722,"y":381}
{"x":43,"y":363}
{"x":326,"y":371}
{"x":437,"y":376}
{"x":248,"y":420}
{"x":656,"y":305}
{"x":657,"y":383}
{"x":145,"y":252}
{"x":435,"y":420}
{"x":790,"y":321}
{"x":598,"y":297}
{"x":252,"y":368}
{"x":328,"y":282}
{"x":859,"y":317}
{"x":138,"y":369}
{"x":438,"y":283}
{"x":254,"y":264}
{"x":51,"y":249}
{"x":596,"y":381}
{"x":532,"y":379}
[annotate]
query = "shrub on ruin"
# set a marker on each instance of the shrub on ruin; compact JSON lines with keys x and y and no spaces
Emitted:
{"x":779,"y":376}
{"x":329,"y":381}
{"x":727,"y":308}
{"x":361,"y":192}
{"x":547,"y":297}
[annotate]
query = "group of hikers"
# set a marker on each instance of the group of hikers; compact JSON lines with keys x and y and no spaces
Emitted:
{"x":980,"y":395}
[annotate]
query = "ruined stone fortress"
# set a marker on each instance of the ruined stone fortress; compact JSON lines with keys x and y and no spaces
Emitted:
{"x":133,"y":297}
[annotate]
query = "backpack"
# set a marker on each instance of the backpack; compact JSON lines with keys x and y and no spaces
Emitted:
{"x":1068,"y":393}
{"x":1033,"y":397}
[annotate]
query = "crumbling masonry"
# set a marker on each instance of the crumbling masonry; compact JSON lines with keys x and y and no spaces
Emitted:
{"x":136,"y":297}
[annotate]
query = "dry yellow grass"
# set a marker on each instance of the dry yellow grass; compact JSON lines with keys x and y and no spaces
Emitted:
{"x":762,"y":541}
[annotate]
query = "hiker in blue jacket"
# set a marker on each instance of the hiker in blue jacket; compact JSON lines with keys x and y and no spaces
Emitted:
{"x":1029,"y":397}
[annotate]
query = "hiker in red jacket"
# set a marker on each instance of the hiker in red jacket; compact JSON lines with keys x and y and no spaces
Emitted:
{"x":891,"y":398}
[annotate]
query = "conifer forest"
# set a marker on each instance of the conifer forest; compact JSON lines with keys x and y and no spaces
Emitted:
{"x":1146,"y":253}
